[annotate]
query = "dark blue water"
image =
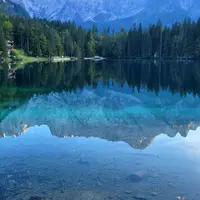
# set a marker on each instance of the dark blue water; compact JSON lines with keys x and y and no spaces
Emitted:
{"x":111,"y":130}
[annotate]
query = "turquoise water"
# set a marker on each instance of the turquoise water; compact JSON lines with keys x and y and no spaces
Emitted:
{"x":94,"y":136}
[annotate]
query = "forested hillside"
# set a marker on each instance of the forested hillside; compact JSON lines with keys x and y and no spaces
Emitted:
{"x":52,"y":38}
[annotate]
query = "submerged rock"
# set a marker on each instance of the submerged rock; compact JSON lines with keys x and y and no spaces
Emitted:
{"x":128,"y":191}
{"x":138,"y":197}
{"x":37,"y":198}
{"x":154,"y":194}
{"x":99,"y":183}
{"x":135,"y":178}
{"x":91,"y":195}
{"x":2,"y":191}
{"x":84,"y":163}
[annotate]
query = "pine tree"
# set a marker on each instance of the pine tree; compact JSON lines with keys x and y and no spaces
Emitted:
{"x":77,"y":51}
{"x":90,"y":45}
{"x":3,"y":47}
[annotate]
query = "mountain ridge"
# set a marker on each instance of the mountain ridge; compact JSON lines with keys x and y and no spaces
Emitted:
{"x":108,"y":12}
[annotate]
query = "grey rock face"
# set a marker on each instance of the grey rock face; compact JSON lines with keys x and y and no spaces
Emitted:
{"x":102,"y":11}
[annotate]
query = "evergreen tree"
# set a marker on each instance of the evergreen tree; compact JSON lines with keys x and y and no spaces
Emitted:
{"x":3,"y":47}
{"x":90,"y":44}
{"x":40,"y":37}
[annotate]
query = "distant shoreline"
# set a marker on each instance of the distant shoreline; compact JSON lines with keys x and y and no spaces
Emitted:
{"x":21,"y":59}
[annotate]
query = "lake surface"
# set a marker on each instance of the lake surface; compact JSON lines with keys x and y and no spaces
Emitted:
{"x":117,"y":129}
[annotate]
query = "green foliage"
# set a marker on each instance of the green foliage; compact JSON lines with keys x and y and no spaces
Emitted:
{"x":42,"y":38}
{"x":3,"y":48}
{"x":21,"y":58}
{"x":90,"y":44}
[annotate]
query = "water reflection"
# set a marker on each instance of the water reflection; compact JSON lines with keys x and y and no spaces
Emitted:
{"x":105,"y":113}
{"x":93,"y":131}
{"x":156,"y":76}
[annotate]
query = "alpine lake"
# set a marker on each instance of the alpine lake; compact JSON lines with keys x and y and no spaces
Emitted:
{"x":107,"y":130}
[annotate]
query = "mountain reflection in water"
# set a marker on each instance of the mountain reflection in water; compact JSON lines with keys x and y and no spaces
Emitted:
{"x":104,"y":113}
{"x":110,"y":109}
{"x":107,"y":130}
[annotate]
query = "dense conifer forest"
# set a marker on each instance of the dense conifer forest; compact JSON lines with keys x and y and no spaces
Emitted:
{"x":40,"y":37}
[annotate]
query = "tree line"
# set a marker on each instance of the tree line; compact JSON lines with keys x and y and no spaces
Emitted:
{"x":177,"y":77}
{"x":40,"y":37}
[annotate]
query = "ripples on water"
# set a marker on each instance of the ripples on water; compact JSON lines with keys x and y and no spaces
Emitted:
{"x":93,"y":131}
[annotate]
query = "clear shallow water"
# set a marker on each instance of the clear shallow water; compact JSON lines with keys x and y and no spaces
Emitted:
{"x":102,"y":141}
